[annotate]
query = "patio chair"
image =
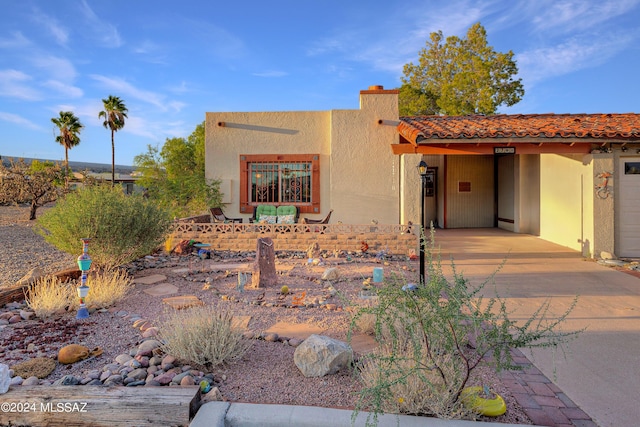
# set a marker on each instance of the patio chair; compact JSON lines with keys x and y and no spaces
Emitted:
{"x":325,"y":220}
{"x":219,"y":216}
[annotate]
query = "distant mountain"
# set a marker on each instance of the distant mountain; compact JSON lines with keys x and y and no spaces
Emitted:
{"x":78,"y":166}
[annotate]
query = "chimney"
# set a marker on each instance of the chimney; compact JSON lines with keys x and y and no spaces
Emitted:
{"x":378,"y":90}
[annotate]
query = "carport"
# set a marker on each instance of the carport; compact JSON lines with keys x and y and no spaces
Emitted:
{"x":533,"y":173}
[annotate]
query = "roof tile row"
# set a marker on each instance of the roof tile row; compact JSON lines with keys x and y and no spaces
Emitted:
{"x":599,"y":126}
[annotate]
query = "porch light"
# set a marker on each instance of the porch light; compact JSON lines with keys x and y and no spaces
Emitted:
{"x":422,"y":170}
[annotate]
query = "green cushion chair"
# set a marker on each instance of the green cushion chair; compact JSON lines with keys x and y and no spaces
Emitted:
{"x":262,"y":211}
{"x":287,"y":214}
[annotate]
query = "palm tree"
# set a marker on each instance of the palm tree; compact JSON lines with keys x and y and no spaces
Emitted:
{"x":69,"y":126}
{"x":114,"y":114}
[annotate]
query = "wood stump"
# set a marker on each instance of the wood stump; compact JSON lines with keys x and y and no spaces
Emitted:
{"x":264,"y":267}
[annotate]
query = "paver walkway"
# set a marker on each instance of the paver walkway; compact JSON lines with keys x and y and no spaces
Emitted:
{"x":600,"y":371}
{"x":541,"y":399}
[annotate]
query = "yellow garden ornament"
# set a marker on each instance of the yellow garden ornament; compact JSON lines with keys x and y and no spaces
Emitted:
{"x":472,"y":398}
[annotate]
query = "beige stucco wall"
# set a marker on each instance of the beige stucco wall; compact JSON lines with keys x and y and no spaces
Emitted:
{"x":566,"y":200}
{"x":603,"y":209}
{"x":359,"y":175}
{"x":527,"y":194}
{"x":365,"y":175}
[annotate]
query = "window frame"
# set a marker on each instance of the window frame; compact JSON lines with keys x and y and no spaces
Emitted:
{"x":246,"y":206}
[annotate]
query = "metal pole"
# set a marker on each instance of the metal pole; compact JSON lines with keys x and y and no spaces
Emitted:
{"x":423,"y":233}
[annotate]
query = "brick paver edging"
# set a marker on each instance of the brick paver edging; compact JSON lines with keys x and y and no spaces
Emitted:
{"x":540,"y":398}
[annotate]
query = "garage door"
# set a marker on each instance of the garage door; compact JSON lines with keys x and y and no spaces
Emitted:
{"x":629,"y":207}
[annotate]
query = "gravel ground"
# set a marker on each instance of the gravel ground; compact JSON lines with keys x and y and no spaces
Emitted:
{"x":21,"y":249}
{"x":266,"y":374}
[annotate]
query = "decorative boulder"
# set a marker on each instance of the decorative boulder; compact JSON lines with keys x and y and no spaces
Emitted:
{"x":320,"y":355}
{"x":5,"y":378}
{"x":73,"y":353}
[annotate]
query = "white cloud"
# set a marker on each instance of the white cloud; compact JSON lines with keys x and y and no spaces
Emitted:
{"x":572,"y":55}
{"x":218,"y":41}
{"x":59,"y":33}
{"x":58,"y":68}
{"x":180,"y":88}
{"x":576,"y":15}
{"x":151,"y":52}
{"x":16,"y":41}
{"x":272,"y":73}
{"x":398,"y":38}
{"x":64,"y":89}
{"x":103,"y":31}
{"x":125,"y":90}
{"x":12,"y":85}
{"x":18,"y":120}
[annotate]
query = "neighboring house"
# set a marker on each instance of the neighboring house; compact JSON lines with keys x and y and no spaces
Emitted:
{"x":572,"y":179}
{"x":124,"y":175}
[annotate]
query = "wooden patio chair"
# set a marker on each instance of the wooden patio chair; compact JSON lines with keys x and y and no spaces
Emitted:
{"x":218,"y":216}
{"x":325,"y":220}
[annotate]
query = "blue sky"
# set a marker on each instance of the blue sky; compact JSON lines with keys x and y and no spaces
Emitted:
{"x":173,"y":61}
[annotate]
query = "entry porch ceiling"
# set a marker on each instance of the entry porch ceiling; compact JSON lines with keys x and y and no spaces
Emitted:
{"x":526,"y":133}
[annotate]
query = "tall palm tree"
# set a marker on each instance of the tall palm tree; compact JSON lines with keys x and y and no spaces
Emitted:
{"x":113,"y":114}
{"x":70,"y":127}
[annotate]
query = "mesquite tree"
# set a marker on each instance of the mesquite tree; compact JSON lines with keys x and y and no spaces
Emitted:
{"x":37,"y":183}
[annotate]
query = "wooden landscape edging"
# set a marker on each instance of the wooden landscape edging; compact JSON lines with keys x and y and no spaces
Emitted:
{"x":17,"y":292}
{"x":98,"y":406}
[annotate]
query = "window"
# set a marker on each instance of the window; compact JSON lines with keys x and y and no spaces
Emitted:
{"x":631,"y":168}
{"x":280,"y":180}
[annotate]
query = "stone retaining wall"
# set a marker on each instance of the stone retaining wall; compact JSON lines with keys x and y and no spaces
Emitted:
{"x":393,"y":239}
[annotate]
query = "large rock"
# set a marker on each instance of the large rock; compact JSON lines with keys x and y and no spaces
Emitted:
{"x":5,"y":378}
{"x":320,"y":355}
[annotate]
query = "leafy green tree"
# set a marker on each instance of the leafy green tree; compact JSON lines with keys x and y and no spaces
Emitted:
{"x":413,"y":101}
{"x":113,"y":115}
{"x":69,"y":126}
{"x":175,"y":175}
{"x":465,"y":76}
{"x":37,"y":183}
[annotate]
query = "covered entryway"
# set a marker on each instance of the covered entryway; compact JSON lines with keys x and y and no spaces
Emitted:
{"x":628,"y":207}
{"x":469,"y":198}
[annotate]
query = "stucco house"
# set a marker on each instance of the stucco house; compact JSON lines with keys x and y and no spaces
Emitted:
{"x":573,"y":179}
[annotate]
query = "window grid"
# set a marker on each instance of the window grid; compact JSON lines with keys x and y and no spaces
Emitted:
{"x":280,"y":182}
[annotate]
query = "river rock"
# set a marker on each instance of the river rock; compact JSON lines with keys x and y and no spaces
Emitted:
{"x":123,"y":358}
{"x":147,"y":347}
{"x":31,"y":381}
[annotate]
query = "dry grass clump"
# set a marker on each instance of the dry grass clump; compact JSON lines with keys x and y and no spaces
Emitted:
{"x":107,"y":287}
{"x":204,"y":336}
{"x":411,"y":391}
{"x":365,"y":323}
{"x":48,"y":296}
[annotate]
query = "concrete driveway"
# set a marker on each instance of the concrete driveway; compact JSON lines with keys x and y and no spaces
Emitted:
{"x":601,"y":372}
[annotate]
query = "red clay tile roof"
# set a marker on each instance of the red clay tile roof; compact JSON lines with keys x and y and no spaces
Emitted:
{"x":598,"y":126}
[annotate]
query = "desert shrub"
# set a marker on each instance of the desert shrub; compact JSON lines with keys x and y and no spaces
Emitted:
{"x":48,"y":296}
{"x":430,"y":340}
{"x":205,"y":336}
{"x":121,"y":227}
{"x":107,"y":287}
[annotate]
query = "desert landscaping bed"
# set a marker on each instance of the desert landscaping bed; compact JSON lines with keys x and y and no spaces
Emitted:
{"x":275,"y":323}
